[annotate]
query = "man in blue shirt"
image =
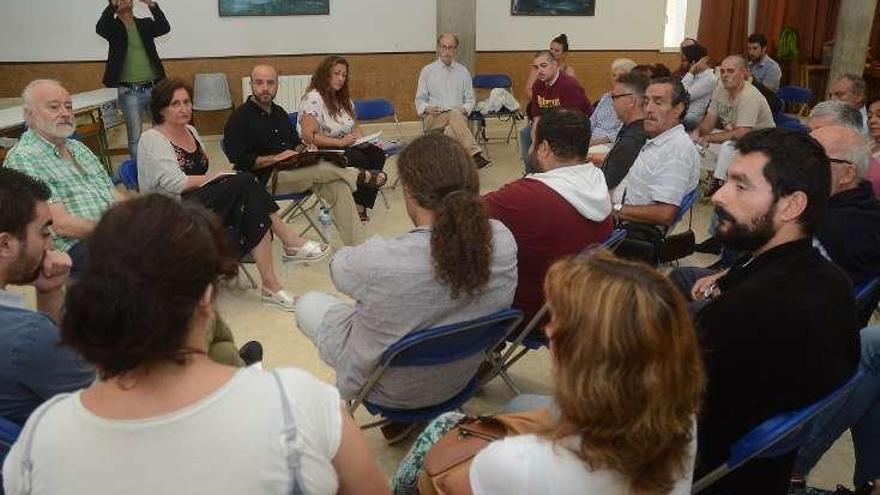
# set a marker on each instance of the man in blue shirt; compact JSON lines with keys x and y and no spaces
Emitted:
{"x":33,"y":366}
{"x":764,"y":69}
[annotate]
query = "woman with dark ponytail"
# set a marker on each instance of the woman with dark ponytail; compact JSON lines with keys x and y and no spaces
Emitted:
{"x":456,"y":265}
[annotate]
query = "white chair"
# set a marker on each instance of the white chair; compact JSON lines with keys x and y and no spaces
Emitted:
{"x":211,"y":92}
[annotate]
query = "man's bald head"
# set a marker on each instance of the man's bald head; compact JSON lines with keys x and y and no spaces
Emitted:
{"x":734,"y":72}
{"x":848,"y":152}
{"x":264,"y":84}
{"x":736,"y":60}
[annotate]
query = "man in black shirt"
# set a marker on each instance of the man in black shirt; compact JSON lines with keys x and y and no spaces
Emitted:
{"x":627,"y":97}
{"x":259,"y":135}
{"x":779,"y":329}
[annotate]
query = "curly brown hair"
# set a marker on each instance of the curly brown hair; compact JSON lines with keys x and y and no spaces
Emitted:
{"x":438,"y":173}
{"x":629,"y":375}
{"x":335,"y":101}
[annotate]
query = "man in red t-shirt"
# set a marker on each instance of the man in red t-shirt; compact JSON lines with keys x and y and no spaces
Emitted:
{"x":556,"y":212}
{"x":553,"y":88}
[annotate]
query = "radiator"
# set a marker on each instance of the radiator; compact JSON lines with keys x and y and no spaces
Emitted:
{"x":290,"y":90}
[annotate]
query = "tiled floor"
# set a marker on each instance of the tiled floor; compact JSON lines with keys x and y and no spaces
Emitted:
{"x":285,"y":346}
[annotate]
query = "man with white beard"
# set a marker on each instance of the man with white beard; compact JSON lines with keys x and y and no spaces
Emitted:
{"x":80,"y":188}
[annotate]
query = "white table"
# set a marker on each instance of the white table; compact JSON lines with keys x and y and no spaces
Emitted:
{"x":82,"y":102}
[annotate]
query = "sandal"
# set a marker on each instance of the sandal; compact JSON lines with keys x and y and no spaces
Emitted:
{"x":281,"y":299}
{"x":363,"y":215}
{"x":372,"y":179}
{"x":310,"y":251}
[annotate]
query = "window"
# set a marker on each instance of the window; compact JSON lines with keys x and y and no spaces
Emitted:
{"x":676,"y":18}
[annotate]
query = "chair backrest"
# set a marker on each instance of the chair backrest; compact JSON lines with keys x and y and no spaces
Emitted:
{"x":776,"y":436}
{"x":795,"y":94}
{"x":687,"y":202}
{"x":867,"y":297}
{"x":9,"y":433}
{"x":293,"y":116}
{"x":375,"y":109}
{"x":128,"y":172}
{"x":492,"y":81}
{"x":449,"y":343}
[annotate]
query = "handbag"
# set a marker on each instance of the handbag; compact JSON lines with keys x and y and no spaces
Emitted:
{"x":447,"y":465}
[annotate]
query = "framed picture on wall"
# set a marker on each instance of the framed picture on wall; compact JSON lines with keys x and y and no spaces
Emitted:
{"x":230,"y":8}
{"x":552,"y":7}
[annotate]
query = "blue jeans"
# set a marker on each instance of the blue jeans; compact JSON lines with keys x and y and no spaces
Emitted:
{"x":134,"y":102}
{"x":860,"y":413}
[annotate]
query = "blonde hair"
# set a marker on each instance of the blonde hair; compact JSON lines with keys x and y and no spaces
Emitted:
{"x":628,"y":372}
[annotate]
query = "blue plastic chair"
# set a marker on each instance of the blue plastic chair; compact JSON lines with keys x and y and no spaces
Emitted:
{"x":378,"y":109}
{"x":128,"y":174}
{"x":796,"y":95}
{"x":776,"y":436}
{"x":867,"y":297}
{"x":9,"y":433}
{"x":432,"y":347}
{"x":490,"y":82}
{"x":525,"y":340}
{"x":687,"y":202}
{"x":787,"y":121}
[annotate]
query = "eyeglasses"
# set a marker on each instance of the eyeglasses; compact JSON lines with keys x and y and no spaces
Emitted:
{"x":614,"y":97}
{"x":838,"y":160}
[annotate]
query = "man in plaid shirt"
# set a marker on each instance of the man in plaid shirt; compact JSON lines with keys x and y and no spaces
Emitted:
{"x":80,"y":189}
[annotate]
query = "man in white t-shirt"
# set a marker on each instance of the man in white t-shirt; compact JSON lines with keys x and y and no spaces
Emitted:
{"x":445,"y":97}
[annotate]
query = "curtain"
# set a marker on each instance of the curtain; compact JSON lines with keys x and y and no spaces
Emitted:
{"x":814,"y":20}
{"x":723,"y":27}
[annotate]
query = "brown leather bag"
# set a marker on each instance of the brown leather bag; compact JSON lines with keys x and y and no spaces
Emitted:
{"x":448,"y":463}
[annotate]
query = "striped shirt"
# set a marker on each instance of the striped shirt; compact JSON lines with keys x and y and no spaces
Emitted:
{"x":667,"y":168}
{"x":82,"y":184}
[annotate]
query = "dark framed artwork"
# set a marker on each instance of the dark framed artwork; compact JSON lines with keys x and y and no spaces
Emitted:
{"x":552,"y":7}
{"x":229,"y":8}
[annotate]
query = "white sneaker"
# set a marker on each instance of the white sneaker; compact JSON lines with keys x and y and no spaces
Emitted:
{"x":281,"y":299}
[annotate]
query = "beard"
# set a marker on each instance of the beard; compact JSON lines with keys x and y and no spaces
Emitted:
{"x":59,"y":129}
{"x":533,"y":160}
{"x":745,"y":237}
{"x":25,"y":269}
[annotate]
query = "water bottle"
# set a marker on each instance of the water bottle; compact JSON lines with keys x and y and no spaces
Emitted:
{"x":325,"y":221}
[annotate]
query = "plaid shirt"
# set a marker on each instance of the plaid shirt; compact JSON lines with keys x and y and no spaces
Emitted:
{"x":86,"y":193}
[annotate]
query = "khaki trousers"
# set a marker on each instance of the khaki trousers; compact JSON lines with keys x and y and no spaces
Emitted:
{"x":334,"y":185}
{"x":454,"y":125}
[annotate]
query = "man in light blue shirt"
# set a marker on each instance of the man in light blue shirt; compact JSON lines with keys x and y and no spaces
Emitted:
{"x":764,"y":69}
{"x":445,"y":97}
{"x":33,"y":366}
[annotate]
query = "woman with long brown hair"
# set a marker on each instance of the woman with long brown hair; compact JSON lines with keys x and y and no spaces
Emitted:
{"x":628,"y":380}
{"x":456,"y":265}
{"x":327,"y":120}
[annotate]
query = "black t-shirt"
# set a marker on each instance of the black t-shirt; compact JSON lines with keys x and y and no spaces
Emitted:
{"x":251,"y":132}
{"x":781,"y":336}
{"x":623,"y":154}
{"x":850,"y":232}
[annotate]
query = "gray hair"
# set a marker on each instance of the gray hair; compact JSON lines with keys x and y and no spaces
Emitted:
{"x":843,"y":114}
{"x":28,"y":94}
{"x":857,"y":82}
{"x":623,"y":64}
{"x":858,"y":153}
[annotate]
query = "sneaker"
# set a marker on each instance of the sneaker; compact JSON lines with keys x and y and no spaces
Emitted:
{"x":481,"y":161}
{"x":308,"y":252}
{"x":282,"y":299}
{"x":251,"y":352}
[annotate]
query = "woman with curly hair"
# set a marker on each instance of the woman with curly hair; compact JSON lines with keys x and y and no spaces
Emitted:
{"x":628,"y":381}
{"x":327,"y":120}
{"x":456,"y":265}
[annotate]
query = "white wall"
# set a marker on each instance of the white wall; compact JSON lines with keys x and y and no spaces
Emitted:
{"x":617,"y":25}
{"x":61,"y":30}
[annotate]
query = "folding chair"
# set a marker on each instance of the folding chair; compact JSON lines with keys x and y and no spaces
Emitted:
{"x":787,"y":121}
{"x":128,"y":174}
{"x":525,"y":341}
{"x":677,"y":246}
{"x":776,"y":436}
{"x":432,"y":347}
{"x":867,"y":297}
{"x":796,"y":95}
{"x":490,"y":82}
{"x":378,"y":109}
{"x":9,"y":433}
